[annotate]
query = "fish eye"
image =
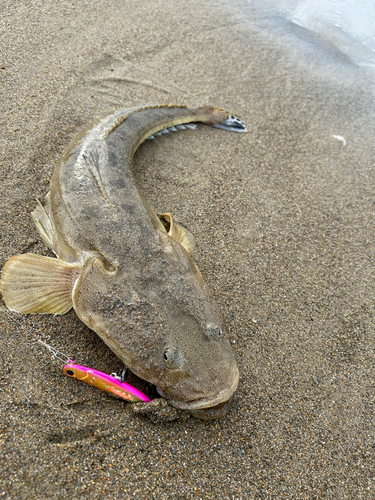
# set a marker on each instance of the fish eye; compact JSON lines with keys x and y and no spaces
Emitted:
{"x":70,"y":373}
{"x":173,"y":359}
{"x":214,"y":332}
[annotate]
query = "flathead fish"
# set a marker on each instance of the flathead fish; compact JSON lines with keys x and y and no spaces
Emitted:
{"x":125,"y":270}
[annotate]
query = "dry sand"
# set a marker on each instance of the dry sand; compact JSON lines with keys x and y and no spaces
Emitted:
{"x":284,"y":222}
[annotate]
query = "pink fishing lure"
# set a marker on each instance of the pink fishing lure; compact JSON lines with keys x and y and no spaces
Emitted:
{"x":93,"y":377}
{"x":104,"y":382}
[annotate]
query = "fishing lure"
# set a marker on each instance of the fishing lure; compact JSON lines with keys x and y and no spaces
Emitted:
{"x":107,"y":383}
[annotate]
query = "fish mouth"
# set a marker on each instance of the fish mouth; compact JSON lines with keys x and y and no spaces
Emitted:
{"x":221,"y":397}
{"x":213,"y":412}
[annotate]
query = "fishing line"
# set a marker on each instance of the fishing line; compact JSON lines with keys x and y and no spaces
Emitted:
{"x":112,"y":383}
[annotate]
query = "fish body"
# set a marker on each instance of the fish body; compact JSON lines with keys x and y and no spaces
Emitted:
{"x":126,"y":271}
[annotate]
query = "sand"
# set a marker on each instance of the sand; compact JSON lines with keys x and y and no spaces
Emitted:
{"x":284,"y":222}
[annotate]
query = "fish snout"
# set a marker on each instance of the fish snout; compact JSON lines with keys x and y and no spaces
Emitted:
{"x":221,"y":400}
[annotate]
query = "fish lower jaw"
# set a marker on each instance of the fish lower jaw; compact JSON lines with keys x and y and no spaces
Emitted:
{"x":221,"y":397}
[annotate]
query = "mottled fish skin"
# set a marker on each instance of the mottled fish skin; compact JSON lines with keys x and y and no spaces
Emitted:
{"x":131,"y":281}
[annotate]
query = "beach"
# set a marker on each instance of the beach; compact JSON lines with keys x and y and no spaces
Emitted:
{"x":283,"y":218}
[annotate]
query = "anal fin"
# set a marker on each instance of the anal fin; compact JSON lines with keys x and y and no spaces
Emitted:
{"x":177,"y":232}
{"x":35,"y":284}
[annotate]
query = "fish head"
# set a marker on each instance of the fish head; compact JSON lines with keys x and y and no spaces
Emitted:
{"x":167,"y":331}
{"x":199,"y":368}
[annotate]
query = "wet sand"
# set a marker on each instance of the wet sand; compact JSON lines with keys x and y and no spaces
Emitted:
{"x":284,"y":222}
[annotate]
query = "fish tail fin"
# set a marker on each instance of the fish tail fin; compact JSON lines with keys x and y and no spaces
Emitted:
{"x":219,"y":118}
{"x":35,"y":284}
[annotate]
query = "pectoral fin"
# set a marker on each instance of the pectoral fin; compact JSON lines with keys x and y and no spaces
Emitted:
{"x":35,"y":284}
{"x":178,"y":233}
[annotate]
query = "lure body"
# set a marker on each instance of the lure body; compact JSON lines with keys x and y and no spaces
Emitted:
{"x":105,"y":382}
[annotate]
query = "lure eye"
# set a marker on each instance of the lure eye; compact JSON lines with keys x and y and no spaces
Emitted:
{"x":173,"y":359}
{"x":70,"y":373}
{"x":214,"y":332}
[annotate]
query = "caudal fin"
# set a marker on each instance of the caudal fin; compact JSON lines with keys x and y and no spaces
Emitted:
{"x":220,"y":118}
